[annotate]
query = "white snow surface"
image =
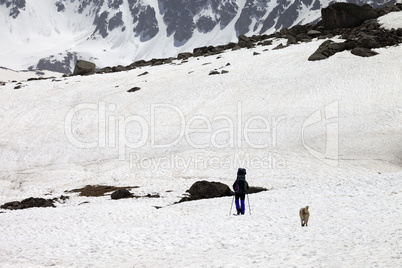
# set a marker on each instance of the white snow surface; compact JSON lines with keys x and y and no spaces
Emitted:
{"x":325,"y":134}
{"x":7,"y":75}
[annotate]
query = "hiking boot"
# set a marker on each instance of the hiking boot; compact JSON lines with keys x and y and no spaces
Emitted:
{"x":238,"y":212}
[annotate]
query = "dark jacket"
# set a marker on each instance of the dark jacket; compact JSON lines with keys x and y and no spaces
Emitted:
{"x":240,"y":186}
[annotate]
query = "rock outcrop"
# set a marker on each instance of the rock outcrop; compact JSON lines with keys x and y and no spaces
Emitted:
{"x":346,"y":15}
{"x":84,"y":68}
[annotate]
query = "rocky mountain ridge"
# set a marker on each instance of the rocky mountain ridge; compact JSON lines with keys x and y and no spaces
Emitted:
{"x":145,"y":29}
{"x":362,"y":36}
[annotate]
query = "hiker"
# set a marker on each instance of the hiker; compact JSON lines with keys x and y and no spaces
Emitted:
{"x":240,"y":186}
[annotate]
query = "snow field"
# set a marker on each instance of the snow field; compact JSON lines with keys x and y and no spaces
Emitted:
{"x":355,"y":205}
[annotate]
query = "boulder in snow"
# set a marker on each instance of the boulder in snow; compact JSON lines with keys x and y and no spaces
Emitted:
{"x":346,"y":15}
{"x":84,"y":68}
{"x":121,"y":193}
{"x":29,"y":203}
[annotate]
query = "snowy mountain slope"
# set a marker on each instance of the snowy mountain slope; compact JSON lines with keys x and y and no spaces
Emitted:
{"x":51,"y":35}
{"x":326,"y":134}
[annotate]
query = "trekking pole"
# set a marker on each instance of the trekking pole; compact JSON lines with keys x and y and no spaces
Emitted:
{"x":230,"y":212}
{"x":248,"y":201}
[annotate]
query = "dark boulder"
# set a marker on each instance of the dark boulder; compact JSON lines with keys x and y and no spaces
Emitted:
{"x":303,"y":38}
{"x":105,"y":70}
{"x":119,"y":68}
{"x":84,"y":68}
{"x":266,"y":43}
{"x":121,"y":193}
{"x":184,"y":55}
{"x":230,"y":45}
{"x":389,"y":9}
{"x":199,"y":51}
{"x":207,"y":189}
{"x":134,"y":89}
{"x":244,"y":38}
{"x":368,"y":42}
{"x":246,"y":44}
{"x":346,"y":15}
{"x":291,"y":40}
{"x":214,"y":72}
{"x":327,"y":49}
{"x":144,"y":73}
{"x":363,"y":52}
{"x":280,"y":46}
{"x":139,"y":63}
{"x":29,"y":203}
{"x":254,"y":189}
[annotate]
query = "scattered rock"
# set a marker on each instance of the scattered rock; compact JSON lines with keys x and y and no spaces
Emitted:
{"x":184,"y":55}
{"x":224,"y":72}
{"x":388,"y":9}
{"x":327,"y":49}
{"x":213,"y":72}
{"x":62,"y":199}
{"x":280,"y":46}
{"x":368,"y":42}
{"x":199,"y":51}
{"x":317,"y":56}
{"x":144,"y":73}
{"x":303,"y":38}
{"x":2,"y":83}
{"x":105,"y":70}
{"x":313,"y":33}
{"x":243,"y":38}
{"x":84,"y":68}
{"x":119,"y":68}
{"x":246,"y":44}
{"x":231,"y":45}
{"x":363,"y":52}
{"x":29,"y":203}
{"x":291,"y":40}
{"x":17,"y":87}
{"x":134,"y":89}
{"x":266,"y":43}
{"x":121,"y":193}
{"x":256,"y":53}
{"x":153,"y":196}
{"x":137,"y":64}
{"x":97,"y":190}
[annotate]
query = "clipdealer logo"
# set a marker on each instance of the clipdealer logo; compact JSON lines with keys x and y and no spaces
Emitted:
{"x":239,"y":131}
